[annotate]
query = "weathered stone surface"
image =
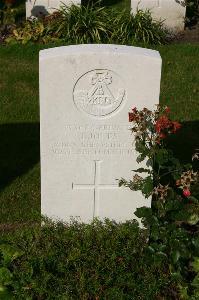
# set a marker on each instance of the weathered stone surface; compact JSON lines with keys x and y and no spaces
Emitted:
{"x":171,"y":11}
{"x":86,"y":92}
{"x":37,"y":8}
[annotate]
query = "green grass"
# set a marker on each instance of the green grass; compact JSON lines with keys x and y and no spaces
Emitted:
{"x":19,"y":120}
{"x":180,"y":91}
{"x":180,"y":82}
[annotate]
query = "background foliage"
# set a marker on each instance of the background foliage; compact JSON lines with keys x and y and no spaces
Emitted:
{"x":91,"y":24}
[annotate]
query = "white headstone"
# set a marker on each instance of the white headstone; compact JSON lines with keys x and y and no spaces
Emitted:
{"x":43,"y":7}
{"x":171,"y":11}
{"x":86,"y":92}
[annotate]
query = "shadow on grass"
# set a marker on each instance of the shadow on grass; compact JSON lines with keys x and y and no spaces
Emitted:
{"x":185,"y":142}
{"x":19,"y":150}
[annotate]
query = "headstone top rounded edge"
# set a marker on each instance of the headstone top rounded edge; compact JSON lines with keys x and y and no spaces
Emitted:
{"x":97,"y":48}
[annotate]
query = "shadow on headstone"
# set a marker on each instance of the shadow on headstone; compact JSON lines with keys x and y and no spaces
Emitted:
{"x":39,"y":11}
{"x":19,"y":150}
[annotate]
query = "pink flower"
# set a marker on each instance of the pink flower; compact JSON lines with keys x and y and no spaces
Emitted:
{"x":167,"y":110}
{"x":162,"y":136}
{"x":162,"y":123}
{"x":131,"y":117}
{"x":176,"y":126}
{"x":186,"y":192}
{"x":134,"y":109}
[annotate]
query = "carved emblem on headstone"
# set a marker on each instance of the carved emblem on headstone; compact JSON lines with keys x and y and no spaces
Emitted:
{"x":99,"y":92}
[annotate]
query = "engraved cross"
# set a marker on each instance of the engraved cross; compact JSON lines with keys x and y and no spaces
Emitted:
{"x":96,"y":186}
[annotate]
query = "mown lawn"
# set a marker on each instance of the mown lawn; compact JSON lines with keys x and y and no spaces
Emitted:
{"x":19,"y":120}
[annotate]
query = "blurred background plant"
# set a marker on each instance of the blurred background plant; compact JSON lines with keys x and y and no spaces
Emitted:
{"x":138,"y":28}
{"x":12,"y":12}
{"x":91,"y":24}
{"x":84,"y":24}
{"x":192,"y":12}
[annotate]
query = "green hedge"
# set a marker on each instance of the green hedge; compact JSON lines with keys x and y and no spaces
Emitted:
{"x":97,"y":261}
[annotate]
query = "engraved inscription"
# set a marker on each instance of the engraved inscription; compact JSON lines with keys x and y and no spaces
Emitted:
{"x":94,"y":140}
{"x":99,"y":93}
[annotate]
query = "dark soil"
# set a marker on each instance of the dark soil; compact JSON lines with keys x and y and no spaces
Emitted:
{"x":190,"y":34}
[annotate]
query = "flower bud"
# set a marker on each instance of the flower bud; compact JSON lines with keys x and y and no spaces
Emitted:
{"x":186,"y":193}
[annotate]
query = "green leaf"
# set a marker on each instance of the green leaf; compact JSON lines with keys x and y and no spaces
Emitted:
{"x":162,"y":254}
{"x":159,"y":257}
{"x":183,"y":292}
{"x":121,"y":182}
{"x":140,"y":146}
{"x":147,"y":186}
{"x":143,"y":212}
{"x":5,"y":294}
{"x":5,"y":276}
{"x":175,"y":256}
{"x":140,"y":158}
{"x":195,"y":242}
{"x":161,"y":157}
{"x":195,"y":264}
{"x":149,"y":163}
{"x":195,"y":282}
{"x":142,"y":170}
{"x":9,"y":253}
{"x":193,"y":199}
{"x":176,"y":276}
{"x":172,"y":205}
{"x":180,"y":215}
{"x":150,"y":249}
{"x":193,"y":219}
{"x":155,"y":232}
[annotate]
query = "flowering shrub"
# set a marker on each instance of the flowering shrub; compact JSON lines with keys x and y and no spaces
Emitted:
{"x":173,"y":218}
{"x":151,"y":130}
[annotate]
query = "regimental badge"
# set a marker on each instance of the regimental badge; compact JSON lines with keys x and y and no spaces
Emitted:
{"x":99,"y":92}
